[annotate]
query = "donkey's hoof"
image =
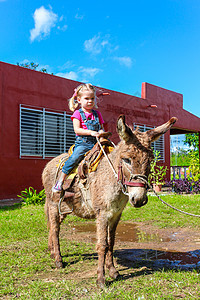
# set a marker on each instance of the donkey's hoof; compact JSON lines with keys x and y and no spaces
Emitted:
{"x":101,"y":283}
{"x":59,"y":264}
{"x":113,"y":273}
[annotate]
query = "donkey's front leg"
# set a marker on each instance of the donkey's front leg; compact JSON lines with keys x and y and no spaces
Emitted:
{"x":102,"y":247}
{"x":111,"y":240}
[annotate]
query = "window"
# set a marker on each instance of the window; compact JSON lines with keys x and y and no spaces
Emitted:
{"x":157,"y":145}
{"x":44,"y":133}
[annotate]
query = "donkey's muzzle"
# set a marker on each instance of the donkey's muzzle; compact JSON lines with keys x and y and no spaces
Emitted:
{"x":139,"y":203}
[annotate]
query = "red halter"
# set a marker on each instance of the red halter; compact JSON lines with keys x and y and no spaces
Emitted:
{"x":122,"y":178}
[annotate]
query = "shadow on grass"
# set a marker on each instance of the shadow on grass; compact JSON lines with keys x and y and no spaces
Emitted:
{"x":147,"y":261}
{"x":150,"y":261}
{"x":84,"y":257}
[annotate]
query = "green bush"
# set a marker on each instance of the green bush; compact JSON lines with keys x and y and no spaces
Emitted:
{"x":157,"y":173}
{"x":30,"y":196}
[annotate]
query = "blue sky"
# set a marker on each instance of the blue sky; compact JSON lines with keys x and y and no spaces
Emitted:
{"x":115,"y":45}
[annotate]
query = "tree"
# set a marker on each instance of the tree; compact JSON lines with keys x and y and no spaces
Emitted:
{"x":32,"y":66}
{"x":180,"y":158}
{"x":192,"y":140}
{"x":194,"y":167}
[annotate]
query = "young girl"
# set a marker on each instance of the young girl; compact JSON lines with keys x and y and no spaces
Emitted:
{"x":87,"y":123}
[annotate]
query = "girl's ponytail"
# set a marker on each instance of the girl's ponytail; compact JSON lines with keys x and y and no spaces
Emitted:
{"x":72,"y":101}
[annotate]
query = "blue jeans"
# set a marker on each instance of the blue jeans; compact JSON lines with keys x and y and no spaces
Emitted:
{"x":82,"y":145}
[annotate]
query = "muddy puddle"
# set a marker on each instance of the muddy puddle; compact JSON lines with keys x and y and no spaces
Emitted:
{"x":161,"y":250}
{"x":126,"y":232}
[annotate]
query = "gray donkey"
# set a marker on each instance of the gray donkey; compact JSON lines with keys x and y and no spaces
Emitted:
{"x":120,"y":178}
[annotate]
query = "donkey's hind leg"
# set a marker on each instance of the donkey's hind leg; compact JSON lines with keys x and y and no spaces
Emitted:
{"x":102,"y":246}
{"x":54,"y":222}
{"x":54,"y":237}
{"x":113,"y":273}
{"x":50,"y":242}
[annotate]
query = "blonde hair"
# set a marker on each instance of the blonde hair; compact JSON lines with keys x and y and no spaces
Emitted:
{"x":73,"y":103}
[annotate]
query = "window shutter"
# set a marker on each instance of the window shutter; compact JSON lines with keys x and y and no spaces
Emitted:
{"x":44,"y":133}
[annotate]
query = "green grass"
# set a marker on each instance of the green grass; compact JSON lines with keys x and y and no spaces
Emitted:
{"x":28,"y":272}
{"x":163,"y":216}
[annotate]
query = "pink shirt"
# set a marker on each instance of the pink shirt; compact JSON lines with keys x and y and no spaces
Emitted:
{"x":76,"y":115}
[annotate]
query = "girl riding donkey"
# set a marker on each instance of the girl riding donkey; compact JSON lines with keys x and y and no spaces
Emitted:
{"x":87,"y":123}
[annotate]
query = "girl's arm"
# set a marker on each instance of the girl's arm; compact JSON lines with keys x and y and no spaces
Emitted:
{"x":80,"y":131}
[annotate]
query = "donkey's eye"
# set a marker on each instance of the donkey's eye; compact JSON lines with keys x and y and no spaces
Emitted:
{"x":127,"y":160}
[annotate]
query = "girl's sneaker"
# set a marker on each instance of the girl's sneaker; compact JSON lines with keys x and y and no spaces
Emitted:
{"x":57,"y":187}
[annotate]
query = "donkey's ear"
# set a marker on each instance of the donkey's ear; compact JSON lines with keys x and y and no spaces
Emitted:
{"x":155,"y":133}
{"x":123,"y":130}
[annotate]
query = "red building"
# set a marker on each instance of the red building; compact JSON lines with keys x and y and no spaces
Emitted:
{"x":35,"y":122}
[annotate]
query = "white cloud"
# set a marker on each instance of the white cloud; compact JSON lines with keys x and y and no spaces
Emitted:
{"x":39,"y":66}
{"x":104,"y":43}
{"x":69,"y":75}
{"x":96,"y":44}
{"x":47,"y":67}
{"x":45,"y":20}
{"x":25,"y":61}
{"x":63,"y":28}
{"x":93,"y":45}
{"x":79,"y":17}
{"x":124,"y":60}
{"x":68,"y":65}
{"x":82,"y":74}
{"x":89,"y":72}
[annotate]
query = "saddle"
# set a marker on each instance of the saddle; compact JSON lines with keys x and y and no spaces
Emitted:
{"x":91,"y":159}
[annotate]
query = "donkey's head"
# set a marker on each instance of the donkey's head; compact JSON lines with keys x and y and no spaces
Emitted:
{"x":135,"y":156}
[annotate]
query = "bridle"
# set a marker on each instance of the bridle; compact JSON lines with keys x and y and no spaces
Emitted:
{"x":121,"y":178}
{"x":132,"y":179}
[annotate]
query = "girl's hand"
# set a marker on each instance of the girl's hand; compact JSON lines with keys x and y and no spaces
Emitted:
{"x":94,"y":133}
{"x":101,"y":131}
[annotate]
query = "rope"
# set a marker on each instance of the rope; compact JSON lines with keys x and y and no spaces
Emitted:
{"x":109,"y":161}
{"x":113,"y":144}
{"x":179,"y":210}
